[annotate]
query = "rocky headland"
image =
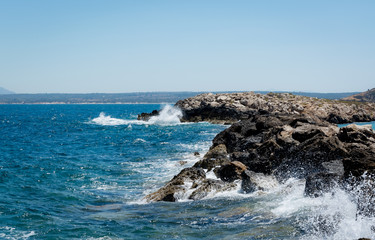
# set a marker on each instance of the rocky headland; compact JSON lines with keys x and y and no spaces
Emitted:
{"x":275,"y":137}
{"x":368,"y":96}
{"x":228,"y":108}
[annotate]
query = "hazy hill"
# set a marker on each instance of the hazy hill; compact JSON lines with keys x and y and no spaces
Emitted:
{"x":5,"y":91}
{"x":141,"y":97}
{"x":368,"y":96}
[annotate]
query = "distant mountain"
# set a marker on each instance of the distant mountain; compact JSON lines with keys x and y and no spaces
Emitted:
{"x":368,"y":96}
{"x":140,"y":97}
{"x":5,"y":91}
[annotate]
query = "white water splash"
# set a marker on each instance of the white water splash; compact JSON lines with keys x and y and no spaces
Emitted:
{"x":168,"y":116}
{"x":109,"y":121}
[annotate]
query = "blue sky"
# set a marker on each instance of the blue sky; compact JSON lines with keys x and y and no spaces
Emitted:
{"x":197,"y":45}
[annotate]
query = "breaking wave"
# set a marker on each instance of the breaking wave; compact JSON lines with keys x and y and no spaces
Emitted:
{"x":168,"y":116}
{"x":110,"y":121}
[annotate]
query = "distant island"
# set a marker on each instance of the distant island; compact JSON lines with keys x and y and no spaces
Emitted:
{"x":7,"y":97}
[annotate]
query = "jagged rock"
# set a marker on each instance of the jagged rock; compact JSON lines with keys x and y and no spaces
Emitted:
{"x":216,"y":156}
{"x":230,"y":172}
{"x":252,"y":181}
{"x":319,"y":183}
{"x":229,"y":108}
{"x":177,"y":185}
{"x":210,"y":185}
{"x":279,"y":136}
{"x":147,"y":116}
{"x":357,"y":134}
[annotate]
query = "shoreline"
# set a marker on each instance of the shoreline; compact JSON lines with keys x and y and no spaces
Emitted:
{"x":85,"y":103}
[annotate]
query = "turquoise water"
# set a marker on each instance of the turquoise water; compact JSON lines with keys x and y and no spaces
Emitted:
{"x":359,"y":123}
{"x":82,"y":171}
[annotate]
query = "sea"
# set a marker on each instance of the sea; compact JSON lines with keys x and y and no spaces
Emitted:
{"x":83,"y":171}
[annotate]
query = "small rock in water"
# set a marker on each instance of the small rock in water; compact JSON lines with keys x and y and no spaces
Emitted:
{"x":196,"y":154}
{"x":182,"y":162}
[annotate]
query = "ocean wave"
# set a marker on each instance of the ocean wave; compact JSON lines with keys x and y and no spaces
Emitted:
{"x":110,"y":121}
{"x":168,"y":116}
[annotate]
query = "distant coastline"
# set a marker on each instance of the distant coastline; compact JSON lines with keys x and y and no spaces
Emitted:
{"x":131,"y":98}
{"x":86,"y":103}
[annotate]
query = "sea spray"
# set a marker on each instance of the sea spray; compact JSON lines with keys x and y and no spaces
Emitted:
{"x":168,"y":116}
{"x":108,"y":120}
{"x":337,"y":215}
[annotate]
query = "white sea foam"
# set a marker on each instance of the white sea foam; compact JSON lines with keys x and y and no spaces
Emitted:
{"x":109,"y":121}
{"x":13,"y":234}
{"x":168,"y":116}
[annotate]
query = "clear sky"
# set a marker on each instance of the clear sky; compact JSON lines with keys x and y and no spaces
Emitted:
{"x":82,"y":46}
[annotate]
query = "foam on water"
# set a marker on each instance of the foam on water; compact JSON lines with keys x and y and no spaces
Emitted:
{"x":168,"y":116}
{"x":11,"y":233}
{"x":331,"y":216}
{"x":109,"y":121}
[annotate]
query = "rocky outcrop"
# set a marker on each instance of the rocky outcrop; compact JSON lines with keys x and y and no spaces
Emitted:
{"x":147,"y":116}
{"x":228,"y":108}
{"x":283,"y":137}
{"x":190,"y":183}
{"x":178,"y":185}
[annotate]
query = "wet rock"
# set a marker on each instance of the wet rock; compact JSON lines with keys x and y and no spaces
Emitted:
{"x":196,"y":154}
{"x":210,"y":185}
{"x":319,"y":183}
{"x":178,"y":185}
{"x":252,"y":181}
{"x":216,"y":156}
{"x":278,"y":136}
{"x":147,"y":116}
{"x":230,"y":172}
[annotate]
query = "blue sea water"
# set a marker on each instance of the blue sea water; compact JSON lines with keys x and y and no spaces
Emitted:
{"x":82,"y":171}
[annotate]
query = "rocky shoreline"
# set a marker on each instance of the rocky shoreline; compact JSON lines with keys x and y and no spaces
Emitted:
{"x":275,"y":137}
{"x":228,"y":108}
